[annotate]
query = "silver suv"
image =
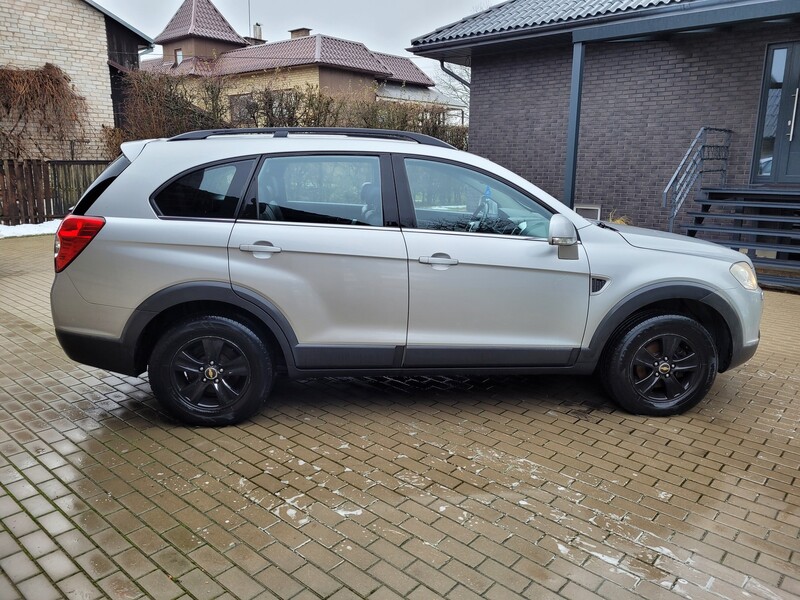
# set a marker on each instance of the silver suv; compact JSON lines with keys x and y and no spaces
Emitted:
{"x":216,"y":260}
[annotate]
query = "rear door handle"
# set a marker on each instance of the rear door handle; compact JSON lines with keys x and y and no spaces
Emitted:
{"x":438,"y":260}
{"x":259,"y":248}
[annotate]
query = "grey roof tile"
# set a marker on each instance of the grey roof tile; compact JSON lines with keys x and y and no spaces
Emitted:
{"x":529,"y":14}
{"x":199,"y":18}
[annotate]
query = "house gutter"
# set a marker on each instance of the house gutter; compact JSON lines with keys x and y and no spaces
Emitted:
{"x":689,"y":15}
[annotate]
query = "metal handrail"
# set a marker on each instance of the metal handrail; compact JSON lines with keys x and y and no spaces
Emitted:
{"x":693,"y":166}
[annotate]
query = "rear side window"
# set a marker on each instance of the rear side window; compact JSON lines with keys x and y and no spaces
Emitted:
{"x":106,"y":178}
{"x":212,"y":192}
{"x":328,"y":189}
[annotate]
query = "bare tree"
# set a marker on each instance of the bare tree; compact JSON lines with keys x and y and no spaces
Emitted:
{"x":452,"y":87}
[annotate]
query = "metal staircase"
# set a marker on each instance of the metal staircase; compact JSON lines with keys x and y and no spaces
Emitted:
{"x":762,"y":222}
{"x":708,"y":153}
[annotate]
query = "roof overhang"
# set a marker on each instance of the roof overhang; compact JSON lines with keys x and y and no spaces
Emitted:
{"x":146,"y":41}
{"x":701,"y":17}
{"x":659,"y":21}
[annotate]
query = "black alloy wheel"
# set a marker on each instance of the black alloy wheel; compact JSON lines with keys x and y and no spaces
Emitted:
{"x":211,"y":370}
{"x":662,"y":366}
{"x":210,"y":373}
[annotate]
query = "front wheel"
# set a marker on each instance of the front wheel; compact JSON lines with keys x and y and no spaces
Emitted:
{"x":211,"y":370}
{"x":663,"y":366}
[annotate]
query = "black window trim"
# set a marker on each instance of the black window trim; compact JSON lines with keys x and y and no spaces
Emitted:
{"x":389,"y":196}
{"x":199,"y":167}
{"x":408,"y":217}
{"x":92,"y":194}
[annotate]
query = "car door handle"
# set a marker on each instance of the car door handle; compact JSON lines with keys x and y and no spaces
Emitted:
{"x":438,"y":260}
{"x":259,"y":248}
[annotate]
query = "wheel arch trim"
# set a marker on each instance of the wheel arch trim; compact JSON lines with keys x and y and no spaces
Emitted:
{"x":651,"y":294}
{"x":207,"y":291}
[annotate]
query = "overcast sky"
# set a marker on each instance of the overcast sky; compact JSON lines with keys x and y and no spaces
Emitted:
{"x":382,"y":25}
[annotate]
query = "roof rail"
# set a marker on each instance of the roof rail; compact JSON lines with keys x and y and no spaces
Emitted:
{"x":281,"y":132}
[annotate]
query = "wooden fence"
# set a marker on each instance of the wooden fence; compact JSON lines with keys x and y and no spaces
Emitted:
{"x":34,"y":191}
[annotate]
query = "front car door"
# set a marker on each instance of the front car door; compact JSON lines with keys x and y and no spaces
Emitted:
{"x":315,"y":243}
{"x":485,"y":287}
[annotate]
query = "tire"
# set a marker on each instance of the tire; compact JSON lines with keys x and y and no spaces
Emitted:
{"x":211,"y":371}
{"x":662,"y":366}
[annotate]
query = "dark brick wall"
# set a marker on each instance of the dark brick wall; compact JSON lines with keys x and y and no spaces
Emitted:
{"x":643,"y":103}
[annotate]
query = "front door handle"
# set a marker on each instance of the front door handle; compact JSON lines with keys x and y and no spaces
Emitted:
{"x":266,"y":247}
{"x":438,"y":259}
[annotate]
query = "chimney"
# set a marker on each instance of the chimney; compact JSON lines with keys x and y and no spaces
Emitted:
{"x":300,"y":32}
{"x":257,"y":31}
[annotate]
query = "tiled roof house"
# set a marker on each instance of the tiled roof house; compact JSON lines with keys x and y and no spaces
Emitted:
{"x":599,"y":101}
{"x":199,"y":41}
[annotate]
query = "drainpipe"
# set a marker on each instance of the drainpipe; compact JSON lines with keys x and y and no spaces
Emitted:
{"x":454,"y":75}
{"x":574,"y":127}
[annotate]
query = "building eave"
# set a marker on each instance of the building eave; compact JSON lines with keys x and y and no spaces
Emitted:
{"x":148,"y":41}
{"x":615,"y":26}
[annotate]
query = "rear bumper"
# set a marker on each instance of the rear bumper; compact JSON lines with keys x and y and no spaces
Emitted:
{"x":101,"y":352}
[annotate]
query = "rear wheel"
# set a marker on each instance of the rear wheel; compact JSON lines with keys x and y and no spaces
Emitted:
{"x":663,"y":366}
{"x":211,"y":370}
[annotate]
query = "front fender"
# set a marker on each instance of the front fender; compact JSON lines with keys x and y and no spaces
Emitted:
{"x":658,"y":292}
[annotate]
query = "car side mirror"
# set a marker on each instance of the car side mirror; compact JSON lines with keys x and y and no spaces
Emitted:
{"x":563,"y":234}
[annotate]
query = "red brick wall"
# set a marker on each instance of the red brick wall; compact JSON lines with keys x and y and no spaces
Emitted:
{"x":643,"y":103}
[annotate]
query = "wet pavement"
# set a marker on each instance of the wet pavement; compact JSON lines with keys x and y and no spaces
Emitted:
{"x":530,"y":487}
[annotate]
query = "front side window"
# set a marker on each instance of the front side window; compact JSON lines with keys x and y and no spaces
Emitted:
{"x":209,"y":193}
{"x":343,"y":190}
{"x":449,"y":197}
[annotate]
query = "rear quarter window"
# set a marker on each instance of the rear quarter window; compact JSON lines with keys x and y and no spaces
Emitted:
{"x":211,"y":192}
{"x":99,"y":185}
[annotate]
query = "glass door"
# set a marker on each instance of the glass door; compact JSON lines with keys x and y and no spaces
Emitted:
{"x":778,"y":146}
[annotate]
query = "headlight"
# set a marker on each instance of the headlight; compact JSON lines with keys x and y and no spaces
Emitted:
{"x":745,"y":275}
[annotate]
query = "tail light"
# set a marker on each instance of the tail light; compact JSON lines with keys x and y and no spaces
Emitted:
{"x":73,"y":235}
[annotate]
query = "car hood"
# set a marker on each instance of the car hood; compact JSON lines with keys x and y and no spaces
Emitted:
{"x":651,"y":239}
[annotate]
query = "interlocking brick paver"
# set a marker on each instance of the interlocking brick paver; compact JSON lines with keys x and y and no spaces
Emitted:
{"x":382,"y":488}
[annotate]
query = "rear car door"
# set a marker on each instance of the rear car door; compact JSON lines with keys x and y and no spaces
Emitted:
{"x":485,"y":287}
{"x":318,"y":243}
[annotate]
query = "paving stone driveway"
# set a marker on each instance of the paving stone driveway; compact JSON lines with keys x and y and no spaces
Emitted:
{"x":529,"y":487}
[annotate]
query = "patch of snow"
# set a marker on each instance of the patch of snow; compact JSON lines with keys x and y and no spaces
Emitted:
{"x":347,"y":513}
{"x":46,"y":228}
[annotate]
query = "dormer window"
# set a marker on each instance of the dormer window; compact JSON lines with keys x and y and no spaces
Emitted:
{"x":178,"y":56}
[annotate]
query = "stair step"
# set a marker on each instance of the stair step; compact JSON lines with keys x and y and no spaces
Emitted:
{"x":752,"y":204}
{"x":776,"y":281}
{"x":744,"y":217}
{"x":752,"y":231}
{"x":735,"y":245}
{"x":778,"y":265}
{"x":758,"y":193}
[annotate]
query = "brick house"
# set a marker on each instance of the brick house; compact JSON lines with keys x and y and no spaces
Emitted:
{"x":90,"y":44}
{"x":599,"y":102}
{"x":199,"y":41}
